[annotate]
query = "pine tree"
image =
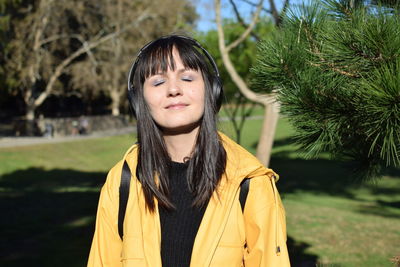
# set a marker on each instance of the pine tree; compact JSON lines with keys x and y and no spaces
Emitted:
{"x":336,"y":66}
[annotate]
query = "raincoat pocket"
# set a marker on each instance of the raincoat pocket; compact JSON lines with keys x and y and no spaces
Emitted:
{"x":132,"y":249}
{"x":228,"y":255}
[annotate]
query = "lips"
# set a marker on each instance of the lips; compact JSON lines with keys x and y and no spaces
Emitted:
{"x":175,"y":106}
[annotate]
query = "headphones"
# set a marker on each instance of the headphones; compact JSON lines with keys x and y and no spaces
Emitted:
{"x":216,"y":84}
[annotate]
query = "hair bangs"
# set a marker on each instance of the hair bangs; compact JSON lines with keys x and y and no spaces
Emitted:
{"x":159,"y":58}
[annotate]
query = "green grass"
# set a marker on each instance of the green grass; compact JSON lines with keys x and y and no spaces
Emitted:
{"x":49,"y":194}
{"x":86,"y":155}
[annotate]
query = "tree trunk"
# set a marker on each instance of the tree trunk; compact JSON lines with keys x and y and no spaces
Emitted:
{"x":115,"y":86}
{"x":115,"y":101}
{"x":266,"y":140}
{"x":30,"y":112}
{"x":30,"y":129}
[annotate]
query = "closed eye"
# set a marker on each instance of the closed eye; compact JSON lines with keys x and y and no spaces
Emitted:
{"x":158,"y":82}
{"x":187,"y":79}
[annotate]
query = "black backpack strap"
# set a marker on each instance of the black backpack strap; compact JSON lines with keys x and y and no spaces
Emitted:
{"x":123,"y":197}
{"x":244,"y":190}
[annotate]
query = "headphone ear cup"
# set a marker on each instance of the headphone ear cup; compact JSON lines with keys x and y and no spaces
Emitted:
{"x":217,"y":92}
{"x":132,"y":101}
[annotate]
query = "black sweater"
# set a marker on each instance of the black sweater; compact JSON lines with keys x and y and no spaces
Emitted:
{"x":179,"y":227}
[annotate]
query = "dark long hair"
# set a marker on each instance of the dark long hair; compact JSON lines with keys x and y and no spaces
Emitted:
{"x":208,"y":160}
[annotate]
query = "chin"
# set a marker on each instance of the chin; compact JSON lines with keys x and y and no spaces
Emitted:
{"x":181,"y":128}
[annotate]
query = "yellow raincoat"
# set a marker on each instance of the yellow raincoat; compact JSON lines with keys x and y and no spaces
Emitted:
{"x":224,"y":229}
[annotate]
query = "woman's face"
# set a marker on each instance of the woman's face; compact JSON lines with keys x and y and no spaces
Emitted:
{"x":176,"y":97}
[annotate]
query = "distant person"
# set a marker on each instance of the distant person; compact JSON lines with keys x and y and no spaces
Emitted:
{"x":75,"y":127}
{"x":184,"y":206}
{"x":41,"y":124}
{"x":83,"y":125}
{"x":49,"y":130}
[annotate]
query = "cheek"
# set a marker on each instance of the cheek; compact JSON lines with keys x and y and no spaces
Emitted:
{"x":198,"y":94}
{"x":199,"y":98}
{"x":202,"y":102}
{"x":151,"y":99}
{"x":202,"y":97}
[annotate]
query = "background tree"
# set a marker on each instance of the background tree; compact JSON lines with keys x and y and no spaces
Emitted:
{"x":266,"y":98}
{"x":336,"y":66}
{"x":41,"y":46}
{"x":48,"y":37}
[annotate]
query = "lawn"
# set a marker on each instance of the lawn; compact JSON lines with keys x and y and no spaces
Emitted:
{"x":49,"y":193}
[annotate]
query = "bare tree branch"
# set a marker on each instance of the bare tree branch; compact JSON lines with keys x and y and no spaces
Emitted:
{"x":55,"y":38}
{"x":241,"y":21}
{"x":69,"y":36}
{"x":248,"y":30}
{"x":285,"y":7}
{"x":34,"y":69}
{"x":239,"y":18}
{"x":275,"y":13}
{"x":84,"y":49}
{"x":254,"y":4}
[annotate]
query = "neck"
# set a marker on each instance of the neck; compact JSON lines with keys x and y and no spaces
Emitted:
{"x":181,"y":145}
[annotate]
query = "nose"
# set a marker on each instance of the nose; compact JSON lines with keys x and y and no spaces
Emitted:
{"x":174,"y":88}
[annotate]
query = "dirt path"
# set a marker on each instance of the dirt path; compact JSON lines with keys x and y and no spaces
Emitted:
{"x":26,"y":141}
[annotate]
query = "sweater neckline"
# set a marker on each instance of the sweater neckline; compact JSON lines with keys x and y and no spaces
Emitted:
{"x":179,"y":165}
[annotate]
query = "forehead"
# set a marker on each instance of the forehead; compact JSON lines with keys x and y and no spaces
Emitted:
{"x":174,"y":62}
{"x":168,"y":56}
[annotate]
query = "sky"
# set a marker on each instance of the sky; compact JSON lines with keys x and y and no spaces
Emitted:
{"x":205,"y":9}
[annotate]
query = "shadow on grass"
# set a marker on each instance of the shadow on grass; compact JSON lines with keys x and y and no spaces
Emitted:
{"x":330,"y":177}
{"x":280,"y":142}
{"x":334,"y":178}
{"x":298,"y":255}
{"x":47,"y":216}
{"x":320,"y":176}
{"x":381,"y":208}
{"x":393,"y":172}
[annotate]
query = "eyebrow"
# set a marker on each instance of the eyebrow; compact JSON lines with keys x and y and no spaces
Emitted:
{"x":179,"y":71}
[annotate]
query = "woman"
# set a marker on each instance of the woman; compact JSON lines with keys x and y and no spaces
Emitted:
{"x":183,"y":207}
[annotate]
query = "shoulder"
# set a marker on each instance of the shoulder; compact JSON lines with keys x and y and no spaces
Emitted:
{"x":236,"y":154}
{"x":241,"y":163}
{"x":113,"y":180}
{"x":114,"y":175}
